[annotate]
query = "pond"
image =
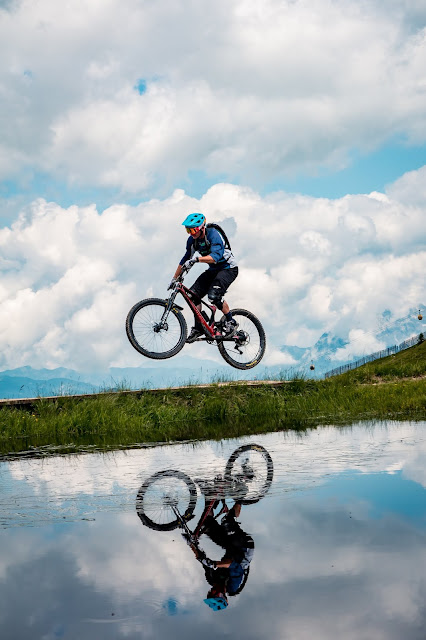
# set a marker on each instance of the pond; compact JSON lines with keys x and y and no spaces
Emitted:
{"x":331,"y":539}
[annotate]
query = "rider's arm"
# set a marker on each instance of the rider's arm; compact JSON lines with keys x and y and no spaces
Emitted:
{"x":188,"y":253}
{"x":201,"y":556}
{"x":224,"y":563}
{"x":178,"y":271}
{"x":217,"y":247}
{"x":208,"y":259}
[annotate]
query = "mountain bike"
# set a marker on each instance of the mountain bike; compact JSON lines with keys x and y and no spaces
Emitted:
{"x":167,"y":499}
{"x":157,"y":329}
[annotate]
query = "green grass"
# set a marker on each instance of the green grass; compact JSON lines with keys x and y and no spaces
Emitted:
{"x":120,"y":419}
{"x":410,"y":363}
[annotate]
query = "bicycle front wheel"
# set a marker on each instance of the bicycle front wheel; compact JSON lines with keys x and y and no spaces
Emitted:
{"x":247,"y":347}
{"x":152,"y":337}
{"x":163,"y":496}
{"x":250,"y":471}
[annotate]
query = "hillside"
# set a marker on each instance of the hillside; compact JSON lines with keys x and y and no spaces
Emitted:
{"x":410,"y":363}
{"x":390,"y":389}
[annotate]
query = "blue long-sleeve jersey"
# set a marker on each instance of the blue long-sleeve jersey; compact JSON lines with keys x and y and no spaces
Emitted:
{"x":223,"y":257}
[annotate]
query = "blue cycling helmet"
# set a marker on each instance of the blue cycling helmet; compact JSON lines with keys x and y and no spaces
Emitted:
{"x":194,"y":220}
{"x":216,"y":603}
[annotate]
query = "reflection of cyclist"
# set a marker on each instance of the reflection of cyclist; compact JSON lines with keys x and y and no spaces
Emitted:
{"x":215,"y":251}
{"x":227,"y":576}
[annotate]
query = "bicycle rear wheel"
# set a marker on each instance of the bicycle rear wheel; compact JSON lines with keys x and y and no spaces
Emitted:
{"x":246,"y":348}
{"x":250,"y":469}
{"x":148,"y":336}
{"x":162,"y":495}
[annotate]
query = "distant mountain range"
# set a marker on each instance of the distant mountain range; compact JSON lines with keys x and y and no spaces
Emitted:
{"x":26,"y":382}
{"x":323,"y":355}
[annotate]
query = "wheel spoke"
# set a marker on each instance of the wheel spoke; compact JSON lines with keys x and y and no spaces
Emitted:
{"x":247,"y":347}
{"x":144,"y":332}
{"x":252,"y":469}
{"x":163,"y":496}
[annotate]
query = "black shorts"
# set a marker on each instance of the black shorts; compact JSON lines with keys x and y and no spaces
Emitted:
{"x":220,"y":280}
{"x":229,"y":536}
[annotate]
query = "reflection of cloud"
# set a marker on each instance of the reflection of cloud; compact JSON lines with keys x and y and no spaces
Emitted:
{"x":333,"y":572}
{"x":16,"y":552}
{"x":111,"y":481}
{"x":139,"y":560}
{"x":323,"y":568}
{"x":415,"y":468}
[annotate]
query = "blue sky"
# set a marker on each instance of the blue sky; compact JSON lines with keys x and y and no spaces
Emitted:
{"x":322,"y":98}
{"x":365,"y":172}
{"x":144,"y":111}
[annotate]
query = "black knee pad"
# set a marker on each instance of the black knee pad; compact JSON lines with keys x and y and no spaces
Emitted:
{"x":215,"y":297}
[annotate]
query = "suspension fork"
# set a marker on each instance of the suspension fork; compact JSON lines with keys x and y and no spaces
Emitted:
{"x":169,"y":306}
{"x":196,"y":534}
{"x":181,"y":520}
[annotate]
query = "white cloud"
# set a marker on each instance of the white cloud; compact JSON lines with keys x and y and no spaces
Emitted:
{"x":307,"y":266}
{"x":360,"y":342}
{"x":410,"y":188}
{"x":272,"y":88}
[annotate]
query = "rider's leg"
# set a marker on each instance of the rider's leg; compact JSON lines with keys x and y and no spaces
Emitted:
{"x":224,"y":278}
{"x":219,"y":286}
{"x":216,"y":532}
{"x":237,"y":509}
{"x":224,"y":508}
{"x":230,"y":325}
{"x":198,"y":291}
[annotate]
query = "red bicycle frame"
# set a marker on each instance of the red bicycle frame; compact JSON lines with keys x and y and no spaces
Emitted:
{"x":208,"y":510}
{"x":209,"y":328}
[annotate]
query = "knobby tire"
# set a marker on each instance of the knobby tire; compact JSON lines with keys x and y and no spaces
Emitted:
{"x":140,"y":324}
{"x":267,"y":472}
{"x":253,"y":349}
{"x":153,"y":514}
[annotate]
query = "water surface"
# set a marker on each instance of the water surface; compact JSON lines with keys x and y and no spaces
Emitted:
{"x":339,"y":542}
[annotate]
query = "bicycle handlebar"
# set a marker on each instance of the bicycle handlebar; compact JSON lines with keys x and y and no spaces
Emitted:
{"x":183,"y":272}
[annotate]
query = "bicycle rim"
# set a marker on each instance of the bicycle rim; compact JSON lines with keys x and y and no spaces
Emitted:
{"x":250,"y":470}
{"x":142,"y":329}
{"x":247,"y":347}
{"x":164,"y":494}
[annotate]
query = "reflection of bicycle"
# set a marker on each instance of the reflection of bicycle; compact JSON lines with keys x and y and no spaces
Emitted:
{"x":167,"y":499}
{"x":157,"y":329}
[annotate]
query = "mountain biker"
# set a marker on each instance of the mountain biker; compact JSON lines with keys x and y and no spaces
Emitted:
{"x":215,"y":281}
{"x":227,"y":576}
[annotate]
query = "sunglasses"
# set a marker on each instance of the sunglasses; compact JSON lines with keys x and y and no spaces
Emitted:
{"x":193,"y":230}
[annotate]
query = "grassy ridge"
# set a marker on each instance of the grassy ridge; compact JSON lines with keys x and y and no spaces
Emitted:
{"x":218,"y":411}
{"x":410,"y":363}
